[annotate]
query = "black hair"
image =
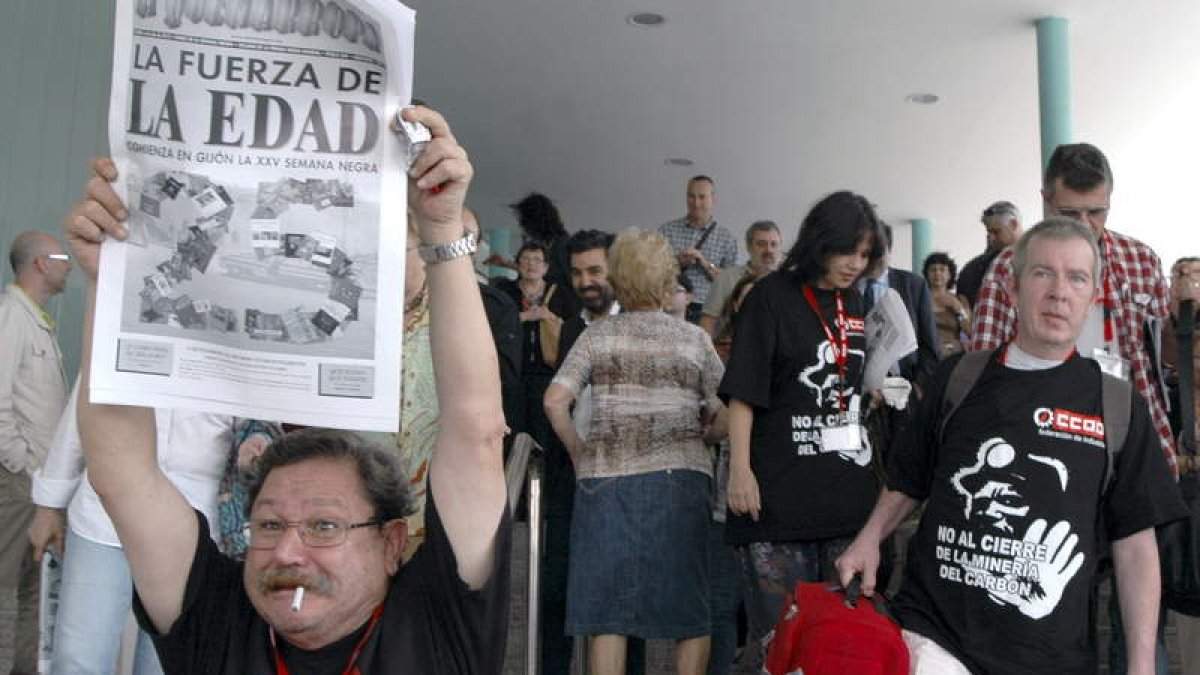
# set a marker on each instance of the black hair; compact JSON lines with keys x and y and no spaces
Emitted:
{"x":383,"y":482}
{"x":702,"y":177}
{"x":834,"y":226}
{"x":531,"y":246}
{"x":587,"y":240}
{"x":1081,"y":166}
{"x":940,"y":258}
{"x":539,"y":218}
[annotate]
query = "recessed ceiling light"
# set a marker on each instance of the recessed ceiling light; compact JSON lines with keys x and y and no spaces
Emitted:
{"x":678,"y":161}
{"x":646,"y":19}
{"x":922,"y":98}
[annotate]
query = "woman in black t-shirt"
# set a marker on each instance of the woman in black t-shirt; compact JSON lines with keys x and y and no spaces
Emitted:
{"x":801,"y":483}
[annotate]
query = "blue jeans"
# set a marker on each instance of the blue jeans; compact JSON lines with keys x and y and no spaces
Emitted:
{"x":94,"y":601}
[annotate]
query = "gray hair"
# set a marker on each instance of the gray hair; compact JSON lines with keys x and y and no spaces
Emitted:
{"x":760,"y":226}
{"x":1002,"y":211}
{"x":1060,"y":229}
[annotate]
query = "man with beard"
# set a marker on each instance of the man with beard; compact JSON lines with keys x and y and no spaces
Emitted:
{"x":762,"y":242}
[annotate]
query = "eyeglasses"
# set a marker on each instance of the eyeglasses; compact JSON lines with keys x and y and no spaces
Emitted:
{"x":59,"y":256}
{"x":314,"y":532}
{"x":1082,"y":214}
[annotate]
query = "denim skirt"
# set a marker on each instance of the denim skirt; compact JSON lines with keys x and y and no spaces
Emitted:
{"x":638,"y":562}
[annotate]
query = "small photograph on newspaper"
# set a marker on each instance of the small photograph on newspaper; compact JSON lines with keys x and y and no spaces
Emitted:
{"x":287,"y":265}
{"x":263,"y":272}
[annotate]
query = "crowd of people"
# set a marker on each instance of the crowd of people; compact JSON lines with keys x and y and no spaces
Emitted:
{"x":710,"y":438}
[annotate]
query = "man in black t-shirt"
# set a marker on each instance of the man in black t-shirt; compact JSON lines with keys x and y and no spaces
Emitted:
{"x":1017,"y":502}
{"x":322,"y":590}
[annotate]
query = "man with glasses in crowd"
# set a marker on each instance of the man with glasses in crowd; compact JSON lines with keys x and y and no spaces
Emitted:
{"x":322,"y":589}
{"x":1002,"y":221}
{"x":1134,"y":300}
{"x":33,"y":391}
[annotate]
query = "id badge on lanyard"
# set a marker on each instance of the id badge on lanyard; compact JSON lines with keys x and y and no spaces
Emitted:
{"x":1109,"y":356}
{"x":846,"y":434}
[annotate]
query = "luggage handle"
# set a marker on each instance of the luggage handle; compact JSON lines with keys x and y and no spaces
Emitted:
{"x":853,"y":591}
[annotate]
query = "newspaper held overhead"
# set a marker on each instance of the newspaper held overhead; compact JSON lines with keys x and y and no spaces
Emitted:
{"x":263,"y":272}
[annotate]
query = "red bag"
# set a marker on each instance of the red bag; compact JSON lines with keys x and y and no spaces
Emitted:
{"x":826,"y":631}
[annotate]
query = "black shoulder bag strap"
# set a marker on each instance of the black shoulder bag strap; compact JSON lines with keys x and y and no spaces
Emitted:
{"x":1186,"y":334}
{"x":1115,"y":395}
{"x":962,"y":380}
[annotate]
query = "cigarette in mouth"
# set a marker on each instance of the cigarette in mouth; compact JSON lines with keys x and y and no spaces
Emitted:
{"x":298,"y":598}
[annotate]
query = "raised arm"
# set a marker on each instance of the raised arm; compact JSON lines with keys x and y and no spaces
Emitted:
{"x":157,"y":527}
{"x":467,"y":469}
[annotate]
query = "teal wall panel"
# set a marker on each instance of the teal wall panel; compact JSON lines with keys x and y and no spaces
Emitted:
{"x":55,"y":57}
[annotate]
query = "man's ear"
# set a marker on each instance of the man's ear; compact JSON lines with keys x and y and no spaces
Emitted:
{"x":395,"y":536}
{"x":1010,"y":287}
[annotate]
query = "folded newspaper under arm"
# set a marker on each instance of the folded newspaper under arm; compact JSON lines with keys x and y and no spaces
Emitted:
{"x":890,"y":337}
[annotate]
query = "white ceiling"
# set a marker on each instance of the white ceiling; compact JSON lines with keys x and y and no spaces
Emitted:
{"x":782,"y":101}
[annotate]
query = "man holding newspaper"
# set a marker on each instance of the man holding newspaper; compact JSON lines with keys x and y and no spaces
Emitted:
{"x":322,"y":588}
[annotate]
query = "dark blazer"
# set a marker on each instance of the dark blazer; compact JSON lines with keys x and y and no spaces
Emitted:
{"x":913,"y":290}
{"x":505,"y":322}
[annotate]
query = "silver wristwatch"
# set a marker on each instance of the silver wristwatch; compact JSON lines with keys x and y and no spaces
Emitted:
{"x":436,"y":253}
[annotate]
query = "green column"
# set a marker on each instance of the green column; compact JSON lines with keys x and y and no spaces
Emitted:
{"x":501,"y":241}
{"x":1054,"y":84}
{"x":922,"y":242}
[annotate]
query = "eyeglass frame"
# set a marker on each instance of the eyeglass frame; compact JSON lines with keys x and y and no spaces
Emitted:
{"x":303,"y":526}
{"x":1081,"y":213}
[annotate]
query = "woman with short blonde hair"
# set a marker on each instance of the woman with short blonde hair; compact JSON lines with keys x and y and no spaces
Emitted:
{"x":642,"y":269}
{"x":639,"y":529}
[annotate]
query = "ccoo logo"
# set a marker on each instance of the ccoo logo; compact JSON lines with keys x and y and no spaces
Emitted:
{"x":1069,"y":422}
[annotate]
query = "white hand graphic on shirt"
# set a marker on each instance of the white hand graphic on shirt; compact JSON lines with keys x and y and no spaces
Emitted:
{"x":1050,"y":575}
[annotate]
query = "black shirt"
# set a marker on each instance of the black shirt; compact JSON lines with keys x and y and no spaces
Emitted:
{"x":431,"y":623}
{"x":781,"y":364}
{"x":1001,"y":567}
{"x":970,"y":277}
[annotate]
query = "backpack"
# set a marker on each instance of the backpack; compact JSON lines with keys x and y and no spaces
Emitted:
{"x":828,"y":630}
{"x":1114,"y":394}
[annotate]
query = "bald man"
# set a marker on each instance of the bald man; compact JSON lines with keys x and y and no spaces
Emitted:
{"x":33,"y":391}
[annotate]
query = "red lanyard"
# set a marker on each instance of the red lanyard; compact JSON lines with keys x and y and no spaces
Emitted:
{"x":351,"y":667}
{"x":841,"y":348}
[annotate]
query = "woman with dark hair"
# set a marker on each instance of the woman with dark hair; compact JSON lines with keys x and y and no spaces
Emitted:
{"x":543,"y":305}
{"x":951,"y":312}
{"x":800,"y":477}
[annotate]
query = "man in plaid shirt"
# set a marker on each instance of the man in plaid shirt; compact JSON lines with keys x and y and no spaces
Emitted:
{"x":703,"y":247}
{"x":1078,"y":184}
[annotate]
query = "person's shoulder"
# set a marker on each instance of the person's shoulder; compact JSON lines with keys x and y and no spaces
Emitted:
{"x":495,"y":295}
{"x":1132,"y":245}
